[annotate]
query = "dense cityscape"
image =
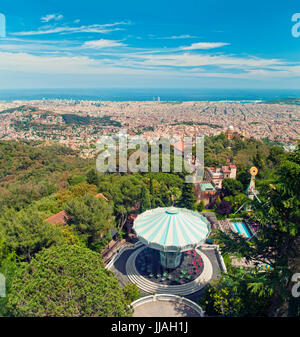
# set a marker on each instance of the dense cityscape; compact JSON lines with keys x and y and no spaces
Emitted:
{"x":48,"y":120}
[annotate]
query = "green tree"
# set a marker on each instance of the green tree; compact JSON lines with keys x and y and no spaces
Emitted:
{"x":175,"y":194}
{"x":125,"y":192}
{"x":231,"y":187}
{"x":26,"y":233}
{"x":46,"y":169}
{"x":230,"y":295}
{"x":221,"y":300}
{"x":91,"y":218}
{"x":66,"y":281}
{"x":92,"y":177}
{"x":145,"y":200}
{"x":237,"y":201}
{"x":277,"y":241}
{"x":244,"y":177}
{"x":164,"y":196}
{"x":276,"y":154}
{"x":8,"y":265}
{"x":132,"y":292}
{"x":188,"y":198}
{"x":75,"y":191}
{"x":200,"y":206}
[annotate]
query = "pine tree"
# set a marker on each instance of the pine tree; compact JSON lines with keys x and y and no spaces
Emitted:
{"x":145,"y":200}
{"x":188,"y":198}
{"x":67,"y":281}
{"x":92,"y":177}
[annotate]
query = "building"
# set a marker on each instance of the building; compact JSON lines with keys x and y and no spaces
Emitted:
{"x":60,"y":217}
{"x":205,"y":192}
{"x":229,"y":133}
{"x":178,"y":147}
{"x":215,"y":175}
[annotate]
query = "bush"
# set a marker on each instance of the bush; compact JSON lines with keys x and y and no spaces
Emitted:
{"x":66,"y":281}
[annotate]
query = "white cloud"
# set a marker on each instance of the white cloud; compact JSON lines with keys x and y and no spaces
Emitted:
{"x":66,"y":65}
{"x":60,"y":57}
{"x":96,"y":28}
{"x":102,"y":43}
{"x":25,"y":62}
{"x":197,"y":60}
{"x":205,"y":45}
{"x":52,"y":17}
{"x":176,"y":37}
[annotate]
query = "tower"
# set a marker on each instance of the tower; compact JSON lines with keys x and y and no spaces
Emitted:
{"x":251,"y":190}
{"x":229,"y":133}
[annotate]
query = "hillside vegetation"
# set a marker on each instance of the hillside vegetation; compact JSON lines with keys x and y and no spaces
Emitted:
{"x":32,"y":170}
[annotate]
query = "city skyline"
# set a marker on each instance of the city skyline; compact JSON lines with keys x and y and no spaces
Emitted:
{"x":134,"y":45}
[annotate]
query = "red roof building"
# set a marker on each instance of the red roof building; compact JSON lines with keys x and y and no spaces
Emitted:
{"x":179,"y":146}
{"x":102,"y":196}
{"x":60,"y":218}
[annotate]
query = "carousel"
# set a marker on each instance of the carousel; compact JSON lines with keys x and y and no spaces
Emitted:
{"x":171,"y":231}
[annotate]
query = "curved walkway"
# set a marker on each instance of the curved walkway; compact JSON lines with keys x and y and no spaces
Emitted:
{"x":164,"y":305}
{"x":182,"y":289}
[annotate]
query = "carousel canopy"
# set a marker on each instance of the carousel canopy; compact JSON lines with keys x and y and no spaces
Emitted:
{"x":171,"y":229}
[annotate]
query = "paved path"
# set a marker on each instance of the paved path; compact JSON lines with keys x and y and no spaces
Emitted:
{"x":211,"y":254}
{"x":164,"y":309}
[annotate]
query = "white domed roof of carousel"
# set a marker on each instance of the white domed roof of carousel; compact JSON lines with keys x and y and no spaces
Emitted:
{"x":171,"y":229}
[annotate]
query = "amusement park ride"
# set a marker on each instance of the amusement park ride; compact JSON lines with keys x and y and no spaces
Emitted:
{"x":251,"y":190}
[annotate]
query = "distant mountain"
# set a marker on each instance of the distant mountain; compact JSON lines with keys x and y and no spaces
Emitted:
{"x":23,"y":108}
{"x":87,"y":120}
{"x":287,"y":100}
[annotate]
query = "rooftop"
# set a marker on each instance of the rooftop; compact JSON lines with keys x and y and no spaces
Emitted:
{"x":60,"y":217}
{"x":179,"y":146}
{"x":171,"y":229}
{"x":207,"y":187}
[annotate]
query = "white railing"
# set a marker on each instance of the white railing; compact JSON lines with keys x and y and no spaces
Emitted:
{"x":170,"y":298}
{"x":121,"y":251}
{"x":223,"y":265}
{"x":219,"y":255}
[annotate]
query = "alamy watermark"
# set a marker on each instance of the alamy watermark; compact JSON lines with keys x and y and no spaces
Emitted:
{"x":296,"y":26}
{"x":2,"y":25}
{"x":2,"y":285}
{"x":296,"y":286}
{"x":113,"y":156}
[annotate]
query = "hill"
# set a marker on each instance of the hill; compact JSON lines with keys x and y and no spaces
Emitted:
{"x":22,"y":108}
{"x":283,"y":101}
{"x":32,"y":170}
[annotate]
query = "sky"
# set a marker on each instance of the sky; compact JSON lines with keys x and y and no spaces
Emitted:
{"x":148,"y":44}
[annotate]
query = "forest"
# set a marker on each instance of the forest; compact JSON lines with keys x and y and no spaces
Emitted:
{"x":38,"y":180}
{"x":86,"y":120}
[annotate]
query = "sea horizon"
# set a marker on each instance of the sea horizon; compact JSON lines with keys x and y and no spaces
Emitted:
{"x":148,"y":94}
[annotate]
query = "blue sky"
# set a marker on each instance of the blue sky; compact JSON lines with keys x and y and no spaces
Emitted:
{"x":147,"y":44}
